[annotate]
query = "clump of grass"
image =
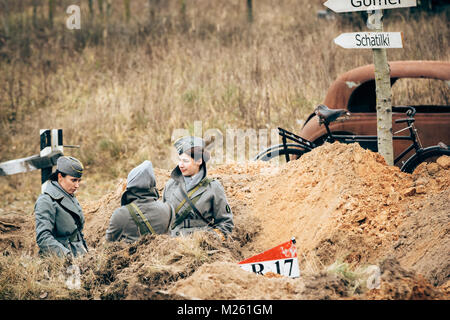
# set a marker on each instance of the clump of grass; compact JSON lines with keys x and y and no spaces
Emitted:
{"x":358,"y":279}
{"x":26,"y":277}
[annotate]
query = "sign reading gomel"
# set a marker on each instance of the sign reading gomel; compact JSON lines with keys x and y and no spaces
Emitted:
{"x":281,"y":259}
{"x":369,"y":40}
{"x":364,"y":5}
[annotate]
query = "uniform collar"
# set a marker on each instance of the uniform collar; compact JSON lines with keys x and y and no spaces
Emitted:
{"x":191,"y":182}
{"x":55,"y":190}
{"x":178,"y":176}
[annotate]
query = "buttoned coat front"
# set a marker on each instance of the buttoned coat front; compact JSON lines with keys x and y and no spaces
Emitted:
{"x":56,"y":229}
{"x":212,"y":204}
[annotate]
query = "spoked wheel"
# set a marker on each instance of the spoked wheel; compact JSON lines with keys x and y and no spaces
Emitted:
{"x":428,"y":155}
{"x":291,"y":152}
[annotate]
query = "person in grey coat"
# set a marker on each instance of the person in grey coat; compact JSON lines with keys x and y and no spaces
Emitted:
{"x":200,"y":203}
{"x":59,"y":216}
{"x":141,"y":211}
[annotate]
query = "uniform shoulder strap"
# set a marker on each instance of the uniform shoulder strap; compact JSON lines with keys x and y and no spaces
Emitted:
{"x":144,"y":226}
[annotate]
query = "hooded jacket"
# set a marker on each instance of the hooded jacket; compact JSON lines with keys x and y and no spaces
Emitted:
{"x":56,"y":229}
{"x":211,"y":202}
{"x":141,"y":191}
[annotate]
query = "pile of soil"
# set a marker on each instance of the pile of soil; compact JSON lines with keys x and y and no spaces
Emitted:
{"x":340,"y":202}
{"x":224,"y":281}
{"x":17,"y":233}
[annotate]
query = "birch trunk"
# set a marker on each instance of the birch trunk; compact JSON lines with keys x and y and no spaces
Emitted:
{"x":384,"y":103}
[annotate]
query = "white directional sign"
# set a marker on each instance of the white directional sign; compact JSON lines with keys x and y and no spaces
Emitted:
{"x":364,"y":5}
{"x":369,"y":40}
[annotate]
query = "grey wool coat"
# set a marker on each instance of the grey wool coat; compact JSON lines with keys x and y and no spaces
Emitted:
{"x":56,"y":229}
{"x":211,"y":202}
{"x":141,"y":191}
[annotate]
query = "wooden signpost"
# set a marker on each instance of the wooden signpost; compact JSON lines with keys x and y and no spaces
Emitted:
{"x":51,"y":146}
{"x":378,"y":41}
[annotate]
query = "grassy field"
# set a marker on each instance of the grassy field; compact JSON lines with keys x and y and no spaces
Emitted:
{"x":123,"y":83}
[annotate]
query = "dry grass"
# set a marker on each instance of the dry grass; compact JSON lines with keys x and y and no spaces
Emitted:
{"x":120,"y":89}
{"x":26,"y":278}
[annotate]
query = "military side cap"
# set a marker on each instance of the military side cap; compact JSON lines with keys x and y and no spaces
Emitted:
{"x":70,"y":166}
{"x":184,"y":144}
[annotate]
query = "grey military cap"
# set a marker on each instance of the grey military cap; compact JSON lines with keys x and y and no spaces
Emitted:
{"x":186,"y":143}
{"x":70,"y":166}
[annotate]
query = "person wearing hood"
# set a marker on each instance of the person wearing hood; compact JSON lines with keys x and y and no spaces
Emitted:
{"x":59,"y":217}
{"x":200,"y":203}
{"x":141,"y":212}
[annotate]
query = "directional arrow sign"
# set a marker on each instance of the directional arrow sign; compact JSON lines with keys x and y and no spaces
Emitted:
{"x":29,"y":164}
{"x":370,"y":40}
{"x":364,"y":5}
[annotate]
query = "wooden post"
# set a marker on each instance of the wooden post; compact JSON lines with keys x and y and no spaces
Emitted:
{"x":51,"y":141}
{"x":51,"y":148}
{"x":383,"y":94}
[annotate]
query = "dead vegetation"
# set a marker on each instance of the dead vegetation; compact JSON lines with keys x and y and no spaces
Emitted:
{"x":403,"y":235}
{"x":121,"y":85}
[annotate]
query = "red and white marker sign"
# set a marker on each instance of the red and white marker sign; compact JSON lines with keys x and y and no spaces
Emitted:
{"x":282,"y":260}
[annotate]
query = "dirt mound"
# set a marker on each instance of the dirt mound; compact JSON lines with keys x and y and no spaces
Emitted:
{"x":228,"y":281}
{"x":340,"y":201}
{"x":424,"y":241}
{"x":17,"y":233}
{"x":135,"y":271}
{"x":399,"y":284}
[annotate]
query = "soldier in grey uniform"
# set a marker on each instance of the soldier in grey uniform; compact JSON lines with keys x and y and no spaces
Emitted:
{"x":200,"y":203}
{"x":59,"y":217}
{"x":141,"y":211}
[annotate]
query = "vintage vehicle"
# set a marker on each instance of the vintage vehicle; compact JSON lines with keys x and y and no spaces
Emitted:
{"x":354,"y":92}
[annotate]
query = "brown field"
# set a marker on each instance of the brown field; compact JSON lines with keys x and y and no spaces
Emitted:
{"x":121,"y":85}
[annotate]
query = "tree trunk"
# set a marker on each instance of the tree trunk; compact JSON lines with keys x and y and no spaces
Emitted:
{"x":384,"y":103}
{"x":51,"y":10}
{"x":249,"y":11}
{"x":35,"y":5}
{"x":127,"y":10}
{"x":100,"y":6}
{"x":91,"y":7}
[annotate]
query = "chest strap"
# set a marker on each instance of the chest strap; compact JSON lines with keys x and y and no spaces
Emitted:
{"x":180,"y":217}
{"x":144,"y":225}
{"x":201,"y":184}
